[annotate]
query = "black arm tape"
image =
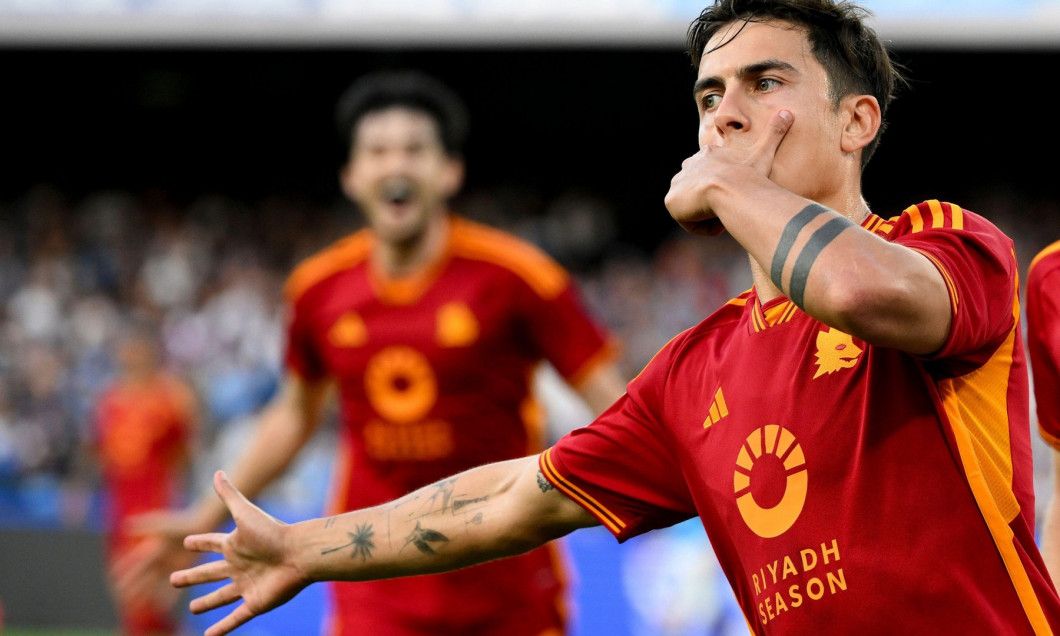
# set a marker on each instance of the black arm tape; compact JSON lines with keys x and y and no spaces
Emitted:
{"x":788,"y":236}
{"x":808,"y":256}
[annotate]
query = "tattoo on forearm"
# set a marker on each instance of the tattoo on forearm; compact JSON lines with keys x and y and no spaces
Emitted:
{"x":330,"y":521}
{"x":360,"y":540}
{"x":820,"y":239}
{"x":443,"y":494}
{"x":543,"y":483}
{"x":423,"y":537}
{"x":787,"y":239}
{"x":462,"y":503}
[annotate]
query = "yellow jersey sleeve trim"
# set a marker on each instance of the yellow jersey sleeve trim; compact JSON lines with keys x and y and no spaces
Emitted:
{"x":1042,"y":254}
{"x":598,"y":510}
{"x":954,"y":298}
{"x":343,"y":254}
{"x":479,"y":242}
{"x":1049,"y":438}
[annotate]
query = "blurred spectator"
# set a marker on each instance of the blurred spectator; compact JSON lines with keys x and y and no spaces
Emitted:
{"x":143,"y":438}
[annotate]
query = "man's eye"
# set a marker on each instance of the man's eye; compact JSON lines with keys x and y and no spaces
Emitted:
{"x":767,"y":83}
{"x":368,"y":151}
{"x":711,"y":101}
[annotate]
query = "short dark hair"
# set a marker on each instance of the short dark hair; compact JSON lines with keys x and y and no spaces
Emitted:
{"x":849,"y":50}
{"x":415,"y":90}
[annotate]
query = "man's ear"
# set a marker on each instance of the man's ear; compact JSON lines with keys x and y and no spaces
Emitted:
{"x":862,"y":120}
{"x":453,"y":178}
{"x":346,"y":180}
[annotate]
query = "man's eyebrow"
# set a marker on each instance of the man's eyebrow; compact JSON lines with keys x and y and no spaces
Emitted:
{"x":751,"y":70}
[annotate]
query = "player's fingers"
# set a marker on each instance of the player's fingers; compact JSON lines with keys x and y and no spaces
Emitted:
{"x":208,"y":542}
{"x":778,"y":127}
{"x":218,"y":598}
{"x":238,"y":505}
{"x":205,"y":573}
{"x":705,"y":227}
{"x":237,"y":617}
{"x":234,"y":500}
{"x":225,"y":490}
{"x":690,"y":160}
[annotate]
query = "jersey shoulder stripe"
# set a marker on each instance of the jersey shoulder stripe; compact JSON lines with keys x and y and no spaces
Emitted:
{"x":341,"y":255}
{"x":1046,"y":254}
{"x":879,"y":226}
{"x":934,"y":215}
{"x":475,"y":241}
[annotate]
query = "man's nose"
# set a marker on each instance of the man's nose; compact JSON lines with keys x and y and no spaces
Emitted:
{"x":398,"y":162}
{"x":731,"y":115}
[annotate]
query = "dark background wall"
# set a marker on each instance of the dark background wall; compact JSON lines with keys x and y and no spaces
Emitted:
{"x":617,"y":122}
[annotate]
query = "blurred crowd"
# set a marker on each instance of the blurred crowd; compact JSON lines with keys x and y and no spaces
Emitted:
{"x":74,"y":273}
{"x":208,"y":274}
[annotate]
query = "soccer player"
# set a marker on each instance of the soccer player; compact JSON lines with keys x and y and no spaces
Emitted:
{"x":852,"y":431}
{"x":144,"y":431}
{"x":430,"y":327}
{"x":1043,"y":349}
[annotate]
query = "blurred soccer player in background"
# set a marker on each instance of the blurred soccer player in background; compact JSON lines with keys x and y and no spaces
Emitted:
{"x":144,"y":433}
{"x":853,"y":431}
{"x":430,"y":327}
{"x":1043,"y":349}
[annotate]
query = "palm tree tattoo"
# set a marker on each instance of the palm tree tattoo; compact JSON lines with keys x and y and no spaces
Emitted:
{"x":361,"y":540}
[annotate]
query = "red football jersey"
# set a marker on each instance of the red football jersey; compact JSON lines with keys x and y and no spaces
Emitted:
{"x":846,"y":488}
{"x":142,"y":436}
{"x":1043,"y":339}
{"x":435,"y":375}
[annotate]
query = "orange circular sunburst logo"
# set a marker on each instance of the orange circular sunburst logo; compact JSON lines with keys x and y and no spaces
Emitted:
{"x":770,"y":481}
{"x":400,"y":384}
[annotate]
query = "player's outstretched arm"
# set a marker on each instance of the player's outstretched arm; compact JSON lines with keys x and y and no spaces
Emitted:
{"x":493,"y":511}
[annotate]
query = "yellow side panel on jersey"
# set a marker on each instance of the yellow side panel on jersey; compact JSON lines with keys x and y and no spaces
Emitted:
{"x":977,"y":407}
